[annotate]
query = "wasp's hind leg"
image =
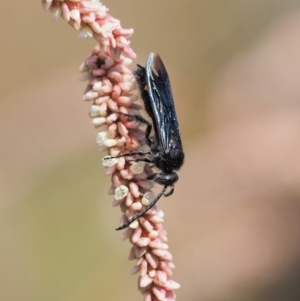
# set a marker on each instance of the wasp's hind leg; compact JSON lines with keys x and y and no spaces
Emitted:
{"x":130,"y":154}
{"x":144,"y":210}
{"x":141,"y":160}
{"x":170,"y":192}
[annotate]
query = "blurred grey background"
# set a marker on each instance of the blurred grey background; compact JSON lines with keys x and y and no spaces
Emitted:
{"x":234,"y":219}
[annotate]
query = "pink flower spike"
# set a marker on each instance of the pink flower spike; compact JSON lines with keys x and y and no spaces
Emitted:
{"x":111,"y":89}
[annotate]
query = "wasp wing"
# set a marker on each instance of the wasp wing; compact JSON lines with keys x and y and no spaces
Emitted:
{"x":162,"y":103}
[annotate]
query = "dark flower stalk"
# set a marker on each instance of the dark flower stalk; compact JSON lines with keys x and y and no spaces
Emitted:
{"x":112,"y":88}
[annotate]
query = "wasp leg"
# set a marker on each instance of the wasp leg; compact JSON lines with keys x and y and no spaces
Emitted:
{"x":144,"y":210}
{"x":130,"y":154}
{"x":170,"y":192}
{"x":140,"y":160}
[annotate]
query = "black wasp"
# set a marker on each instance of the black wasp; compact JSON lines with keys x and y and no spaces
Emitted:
{"x":166,"y":151}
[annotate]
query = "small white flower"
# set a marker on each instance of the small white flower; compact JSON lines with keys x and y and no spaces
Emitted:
{"x":109,"y":161}
{"x":110,"y":142}
{"x":101,"y":138}
{"x":134,"y":225}
{"x":56,"y":13}
{"x":121,"y":192}
{"x":147,"y":198}
{"x":97,"y":86}
{"x":75,"y":15}
{"x":107,"y":29}
{"x":160,"y":213}
{"x":137,"y":167}
{"x":153,"y":234}
{"x":98,"y":121}
{"x":165,"y":246}
{"x":91,"y":95}
{"x":85,"y":32}
{"x":96,"y":5}
{"x":137,"y":206}
{"x":94,"y":111}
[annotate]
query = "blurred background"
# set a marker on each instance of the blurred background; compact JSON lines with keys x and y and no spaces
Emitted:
{"x":234,"y":220}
